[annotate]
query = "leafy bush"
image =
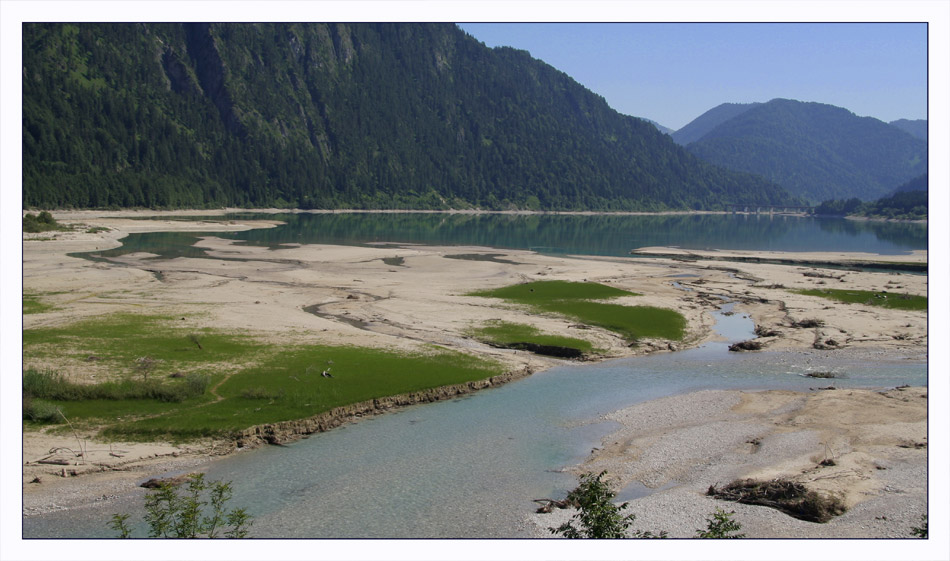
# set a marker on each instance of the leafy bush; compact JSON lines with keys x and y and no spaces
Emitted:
{"x":920,"y":531}
{"x":720,"y":525}
{"x":173,"y":515}
{"x":42,"y":223}
{"x":41,"y":411}
{"x":598,"y":516}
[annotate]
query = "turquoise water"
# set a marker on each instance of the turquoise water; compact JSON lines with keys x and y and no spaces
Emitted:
{"x":470,"y":467}
{"x":607,"y":235}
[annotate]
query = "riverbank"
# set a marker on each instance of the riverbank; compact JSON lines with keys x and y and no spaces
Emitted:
{"x":866,"y":448}
{"x":392,"y":296}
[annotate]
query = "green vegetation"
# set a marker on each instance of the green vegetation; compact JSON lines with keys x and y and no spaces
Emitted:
{"x":573,"y":299}
{"x":44,"y":222}
{"x":909,"y":202}
{"x":890,"y":300}
{"x":124,"y":343}
{"x":183,"y":383}
{"x":814,"y":150}
{"x":332,"y":115}
{"x":920,"y":531}
{"x":720,"y":525}
{"x":507,"y":334}
{"x":597,"y":516}
{"x":52,"y":386}
{"x":171,"y":514}
{"x":33,"y":305}
{"x":289,"y":384}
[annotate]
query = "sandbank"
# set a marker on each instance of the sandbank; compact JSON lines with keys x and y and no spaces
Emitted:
{"x":873,"y":444}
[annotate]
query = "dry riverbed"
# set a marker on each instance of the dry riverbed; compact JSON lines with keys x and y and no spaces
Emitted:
{"x":402,"y":297}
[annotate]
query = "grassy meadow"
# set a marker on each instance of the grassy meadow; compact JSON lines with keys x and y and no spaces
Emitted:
{"x":582,"y":301}
{"x":159,"y":380}
{"x":508,"y":334}
{"x":889,"y":300}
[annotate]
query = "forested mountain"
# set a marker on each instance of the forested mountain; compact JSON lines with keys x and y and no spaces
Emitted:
{"x":332,"y":116}
{"x":700,"y":126}
{"x":815,"y":150}
{"x":920,"y":183}
{"x":907,"y":202}
{"x":917,"y":127}
{"x":659,"y":127}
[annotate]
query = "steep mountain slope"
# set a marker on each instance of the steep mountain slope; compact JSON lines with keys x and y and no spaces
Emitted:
{"x":659,"y":127}
{"x":335,"y":115}
{"x":920,"y":183}
{"x":815,"y":150}
{"x":700,"y":126}
{"x":917,"y":127}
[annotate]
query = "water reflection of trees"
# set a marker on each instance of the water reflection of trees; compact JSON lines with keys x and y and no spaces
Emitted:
{"x":584,"y":234}
{"x":595,"y":234}
{"x":903,"y":234}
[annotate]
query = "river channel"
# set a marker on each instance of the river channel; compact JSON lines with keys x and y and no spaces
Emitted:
{"x":470,"y":467}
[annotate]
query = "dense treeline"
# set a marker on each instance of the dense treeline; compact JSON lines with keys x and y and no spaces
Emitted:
{"x":814,"y":150}
{"x":908,"y":202}
{"x":332,"y":116}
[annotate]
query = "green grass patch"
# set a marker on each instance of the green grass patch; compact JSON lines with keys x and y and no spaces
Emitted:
{"x":120,"y":341}
{"x":33,"y":305}
{"x":870,"y":298}
{"x":503,"y":333}
{"x":290,"y":385}
{"x":542,"y":293}
{"x":170,"y":395}
{"x":576,"y":300}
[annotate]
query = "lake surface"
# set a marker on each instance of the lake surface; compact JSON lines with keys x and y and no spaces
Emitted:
{"x":604,"y":235}
{"x":471,"y":467}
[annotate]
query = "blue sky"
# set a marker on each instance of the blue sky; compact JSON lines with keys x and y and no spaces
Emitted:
{"x":673,"y":72}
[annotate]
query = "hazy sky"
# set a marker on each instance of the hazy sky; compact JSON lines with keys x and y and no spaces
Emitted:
{"x":673,"y":72}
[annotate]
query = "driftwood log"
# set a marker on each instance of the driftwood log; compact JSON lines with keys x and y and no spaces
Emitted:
{"x":789,"y":497}
{"x":547,"y":505}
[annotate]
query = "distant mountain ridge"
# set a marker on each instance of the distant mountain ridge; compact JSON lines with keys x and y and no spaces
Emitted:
{"x":702,"y":125}
{"x":659,"y":127}
{"x":917,"y":127}
{"x":814,"y":150}
{"x":331,"y":115}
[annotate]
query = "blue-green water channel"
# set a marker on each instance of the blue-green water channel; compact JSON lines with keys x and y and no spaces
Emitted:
{"x":471,"y":467}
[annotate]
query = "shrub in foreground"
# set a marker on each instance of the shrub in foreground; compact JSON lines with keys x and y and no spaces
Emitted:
{"x":598,"y":516}
{"x":174,"y":514}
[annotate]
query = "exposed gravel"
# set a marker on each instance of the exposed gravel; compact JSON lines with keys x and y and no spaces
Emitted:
{"x":683,"y":444}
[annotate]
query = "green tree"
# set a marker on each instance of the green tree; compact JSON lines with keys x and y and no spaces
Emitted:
{"x":720,"y":525}
{"x":598,"y":516}
{"x":174,"y":514}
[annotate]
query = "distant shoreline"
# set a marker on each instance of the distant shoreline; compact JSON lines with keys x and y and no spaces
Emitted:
{"x":93,"y":213}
